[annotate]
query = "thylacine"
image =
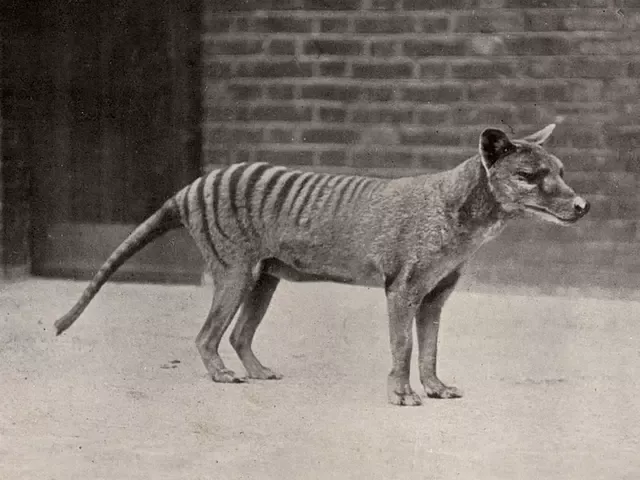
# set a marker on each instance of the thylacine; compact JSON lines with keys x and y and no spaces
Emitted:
{"x":256,"y":224}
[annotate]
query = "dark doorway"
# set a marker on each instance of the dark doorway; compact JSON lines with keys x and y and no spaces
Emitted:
{"x":119,"y":119}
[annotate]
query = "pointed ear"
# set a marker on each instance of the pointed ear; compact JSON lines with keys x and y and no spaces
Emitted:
{"x":541,"y":136}
{"x":494,"y":144}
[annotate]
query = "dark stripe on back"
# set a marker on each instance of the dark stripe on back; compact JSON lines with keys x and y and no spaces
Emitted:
{"x":249,"y":192}
{"x":317,"y":178}
{"x":185,"y":204}
{"x":283,"y":192}
{"x":341,"y":188}
{"x":234,"y":179}
{"x":357,"y":192}
{"x":215,"y":196}
{"x":304,"y":182}
{"x":359,"y":181}
{"x":205,"y":222}
{"x":268,"y":188}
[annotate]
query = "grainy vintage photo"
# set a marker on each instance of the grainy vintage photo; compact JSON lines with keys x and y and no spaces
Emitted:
{"x":316,"y":239}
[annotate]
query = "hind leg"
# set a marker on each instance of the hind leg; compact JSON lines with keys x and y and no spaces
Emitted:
{"x":253,"y":310}
{"x":227,"y":298}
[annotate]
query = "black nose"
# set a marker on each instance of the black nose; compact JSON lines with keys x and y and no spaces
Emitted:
{"x":581,"y":206}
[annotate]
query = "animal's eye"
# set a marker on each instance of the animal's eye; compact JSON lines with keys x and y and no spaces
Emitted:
{"x":529,"y":177}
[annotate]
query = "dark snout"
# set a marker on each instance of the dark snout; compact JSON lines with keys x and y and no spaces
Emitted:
{"x":581,"y":206}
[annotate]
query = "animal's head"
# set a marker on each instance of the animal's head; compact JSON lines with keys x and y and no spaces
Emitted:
{"x":524,"y":177}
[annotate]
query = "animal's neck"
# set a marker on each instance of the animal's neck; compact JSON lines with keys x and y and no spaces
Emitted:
{"x":475,"y":203}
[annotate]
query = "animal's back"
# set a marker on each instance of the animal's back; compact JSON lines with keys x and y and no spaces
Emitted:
{"x":257,"y":211}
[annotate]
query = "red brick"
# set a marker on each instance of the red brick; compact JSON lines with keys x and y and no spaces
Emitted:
{"x":280,"y":92}
{"x":633,"y":69}
{"x":339,"y":93}
{"x":438,"y":4}
{"x":558,"y":91}
{"x":279,"y":24}
{"x":232,"y":135}
{"x":596,"y":19}
{"x":623,"y":90}
{"x":241,"y":155}
{"x":332,"y":5}
{"x":608,"y":46}
{"x":323,"y":135}
{"x":394,"y":24}
{"x":430,"y":136}
{"x":537,"y":45}
{"x":280,"y":135}
{"x":483,"y":91}
{"x":217,"y":70}
{"x":385,"y":4}
{"x":381,"y":115}
{"x":383,"y":70}
{"x":586,"y":90}
{"x":333,"y":47}
{"x":434,"y":115}
{"x":281,"y":113}
{"x":537,"y":114}
{"x":378,"y":94}
{"x":623,"y":137}
{"x":333,"y":69}
{"x":439,"y":160}
{"x":546,"y":67}
{"x":226,"y":113}
{"x":274,"y":69}
{"x":384,"y":48}
{"x":278,"y":46}
{"x":332,"y":158}
{"x":543,"y":21}
{"x":490,"y":22}
{"x":596,"y":67}
{"x":285,"y":157}
{"x":433,"y":69}
{"x":439,"y":93}
{"x":227,"y":6}
{"x":382,"y":158}
{"x":555,"y":3}
{"x":332,"y":114}
{"x":334,"y":25}
{"x":485,"y":115}
{"x":519,"y":93}
{"x":621,"y":207}
{"x":215,"y":24}
{"x":433,"y":24}
{"x":584,"y":136}
{"x":239,"y":91}
{"x":603,"y":183}
{"x":232,"y":47}
{"x":481,"y":68}
{"x":429,"y":48}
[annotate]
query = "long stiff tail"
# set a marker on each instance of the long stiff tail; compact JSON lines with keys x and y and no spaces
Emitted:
{"x":165,"y":219}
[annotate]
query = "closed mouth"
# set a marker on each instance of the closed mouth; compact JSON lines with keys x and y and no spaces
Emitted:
{"x":548,"y":212}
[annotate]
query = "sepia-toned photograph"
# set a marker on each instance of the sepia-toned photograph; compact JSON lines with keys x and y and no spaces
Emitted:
{"x":320,"y":239}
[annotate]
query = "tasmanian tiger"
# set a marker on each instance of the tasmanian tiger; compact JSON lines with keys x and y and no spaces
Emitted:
{"x":257,"y":224}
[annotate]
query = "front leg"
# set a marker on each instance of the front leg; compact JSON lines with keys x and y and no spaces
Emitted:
{"x":402,"y":309}
{"x":427,"y":326}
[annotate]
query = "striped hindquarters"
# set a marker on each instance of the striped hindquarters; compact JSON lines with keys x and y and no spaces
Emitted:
{"x":240,"y":204}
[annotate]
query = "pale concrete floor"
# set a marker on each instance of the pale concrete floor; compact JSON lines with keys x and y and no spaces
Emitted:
{"x":551,"y":389}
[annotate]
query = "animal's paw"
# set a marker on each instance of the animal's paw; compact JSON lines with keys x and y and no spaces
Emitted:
{"x":227,"y":376}
{"x":263,"y":373}
{"x":443,"y":392}
{"x":401,"y":394}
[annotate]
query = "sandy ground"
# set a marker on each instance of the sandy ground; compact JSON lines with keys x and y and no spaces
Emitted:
{"x":551,"y":389}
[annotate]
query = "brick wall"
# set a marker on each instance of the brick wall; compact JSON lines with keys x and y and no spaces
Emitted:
{"x":398,"y":86}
